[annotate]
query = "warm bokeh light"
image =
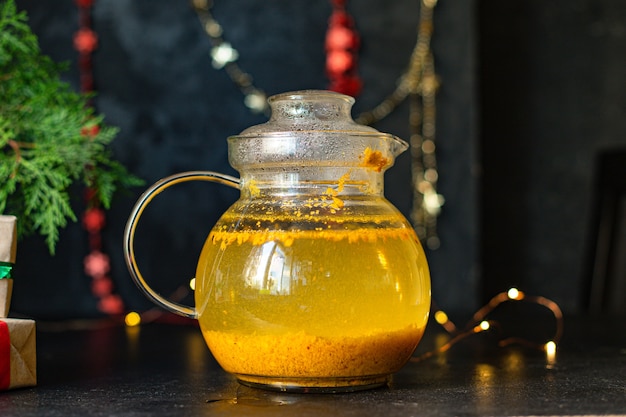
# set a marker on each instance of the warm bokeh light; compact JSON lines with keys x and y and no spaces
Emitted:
{"x":192,"y":284}
{"x":550,"y":349}
{"x":514,"y":294}
{"x":441,"y":317}
{"x":132,"y":319}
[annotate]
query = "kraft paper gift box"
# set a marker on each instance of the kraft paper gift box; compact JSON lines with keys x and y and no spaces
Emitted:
{"x":18,"y":358}
{"x":8,"y":246}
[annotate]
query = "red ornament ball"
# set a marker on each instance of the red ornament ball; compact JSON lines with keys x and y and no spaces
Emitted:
{"x":339,"y":61}
{"x":85,"y":41}
{"x":340,"y":37}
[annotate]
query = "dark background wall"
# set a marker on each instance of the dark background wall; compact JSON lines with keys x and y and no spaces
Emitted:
{"x":155,"y":81}
{"x":531,"y":91}
{"x":553,"y":97}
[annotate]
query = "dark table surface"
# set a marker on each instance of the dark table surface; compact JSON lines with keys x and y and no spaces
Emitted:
{"x":166,"y":369}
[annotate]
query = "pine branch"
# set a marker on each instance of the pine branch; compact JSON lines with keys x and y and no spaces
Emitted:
{"x":49,"y":137}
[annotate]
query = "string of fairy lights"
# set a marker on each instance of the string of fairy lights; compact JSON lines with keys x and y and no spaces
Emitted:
{"x":480,"y":323}
{"x":419,"y":83}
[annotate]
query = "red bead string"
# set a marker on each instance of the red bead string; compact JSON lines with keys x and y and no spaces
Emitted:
{"x":342,"y":44}
{"x":85,"y":42}
{"x":96,"y":263}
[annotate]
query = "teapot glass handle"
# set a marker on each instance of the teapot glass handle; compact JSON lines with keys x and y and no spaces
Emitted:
{"x":131,"y":225}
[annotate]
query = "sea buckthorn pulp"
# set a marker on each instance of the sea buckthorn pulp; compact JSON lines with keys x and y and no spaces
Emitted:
{"x":314,"y":290}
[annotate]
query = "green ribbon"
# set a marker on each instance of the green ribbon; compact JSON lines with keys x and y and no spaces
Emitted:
{"x":5,"y":270}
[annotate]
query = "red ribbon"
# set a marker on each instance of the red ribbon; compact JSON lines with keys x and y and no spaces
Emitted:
{"x":5,"y":356}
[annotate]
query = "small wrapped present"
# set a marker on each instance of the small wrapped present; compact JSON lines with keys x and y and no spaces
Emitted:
{"x":18,"y":358}
{"x":8,"y":246}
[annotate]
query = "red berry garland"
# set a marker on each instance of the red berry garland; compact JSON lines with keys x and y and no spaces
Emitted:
{"x":342,"y":44}
{"x":96,"y":263}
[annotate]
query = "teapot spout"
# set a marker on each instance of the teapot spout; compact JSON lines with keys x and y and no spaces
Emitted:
{"x":397,"y":146}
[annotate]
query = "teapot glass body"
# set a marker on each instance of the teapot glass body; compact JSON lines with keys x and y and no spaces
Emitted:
{"x":312,"y":280}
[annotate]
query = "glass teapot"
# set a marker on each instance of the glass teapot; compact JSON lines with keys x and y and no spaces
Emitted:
{"x":311,"y":281}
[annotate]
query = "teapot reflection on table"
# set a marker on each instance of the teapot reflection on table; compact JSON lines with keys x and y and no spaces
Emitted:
{"x":311,"y":281}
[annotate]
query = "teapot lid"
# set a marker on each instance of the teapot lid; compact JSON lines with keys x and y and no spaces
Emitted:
{"x":309,"y":111}
{"x":310,"y":126}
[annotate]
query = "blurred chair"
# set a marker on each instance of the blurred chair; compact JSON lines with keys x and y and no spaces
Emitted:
{"x":605,"y":291}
